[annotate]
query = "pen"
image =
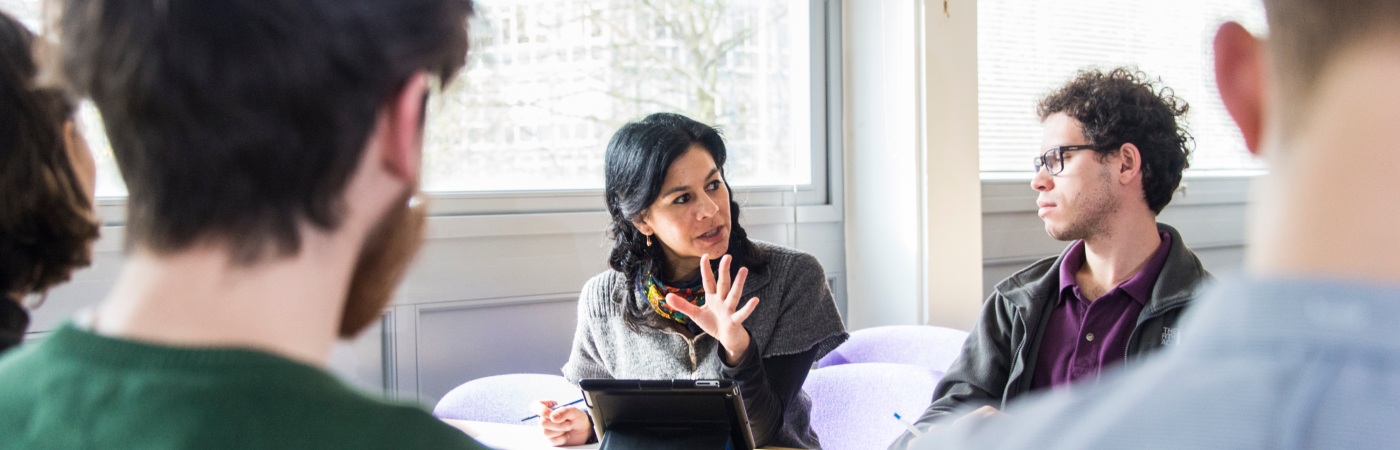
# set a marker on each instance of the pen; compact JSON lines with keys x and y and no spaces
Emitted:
{"x":575,"y":402}
{"x":912,"y":430}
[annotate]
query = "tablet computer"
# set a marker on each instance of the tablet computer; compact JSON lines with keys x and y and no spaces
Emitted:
{"x":675,"y":414}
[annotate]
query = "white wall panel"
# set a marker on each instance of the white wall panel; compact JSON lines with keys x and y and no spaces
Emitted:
{"x":461,"y":341}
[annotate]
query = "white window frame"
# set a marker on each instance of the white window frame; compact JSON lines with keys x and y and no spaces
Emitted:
{"x":816,"y":201}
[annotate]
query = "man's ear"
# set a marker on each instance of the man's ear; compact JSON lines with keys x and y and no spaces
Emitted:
{"x":1239,"y":72}
{"x":404,"y":116}
{"x":1129,"y":161}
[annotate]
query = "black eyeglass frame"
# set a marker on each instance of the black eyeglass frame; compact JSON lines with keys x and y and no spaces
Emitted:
{"x":1042,"y":160}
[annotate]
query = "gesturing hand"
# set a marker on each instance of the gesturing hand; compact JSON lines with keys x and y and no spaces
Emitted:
{"x":719,"y":316}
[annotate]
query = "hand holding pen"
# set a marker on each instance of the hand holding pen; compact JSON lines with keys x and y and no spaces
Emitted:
{"x":536,"y":416}
{"x":562,"y":424}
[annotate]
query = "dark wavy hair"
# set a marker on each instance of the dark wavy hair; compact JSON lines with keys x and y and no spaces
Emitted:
{"x":47,"y":224}
{"x":635,"y":166}
{"x":1124,"y":106}
{"x":239,"y":121}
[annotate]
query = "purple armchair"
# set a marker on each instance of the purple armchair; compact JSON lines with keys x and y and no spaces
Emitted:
{"x":930,"y":347}
{"x":504,"y":398}
{"x":853,"y":405}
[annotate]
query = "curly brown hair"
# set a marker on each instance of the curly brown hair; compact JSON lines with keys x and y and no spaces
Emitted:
{"x":47,"y":224}
{"x":1123,"y":106}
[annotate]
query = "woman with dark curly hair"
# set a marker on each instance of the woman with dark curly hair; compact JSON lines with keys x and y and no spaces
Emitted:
{"x":47,"y":224}
{"x":682,"y":299}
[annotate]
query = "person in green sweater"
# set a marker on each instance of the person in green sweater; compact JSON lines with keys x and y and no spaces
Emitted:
{"x":271,"y":151}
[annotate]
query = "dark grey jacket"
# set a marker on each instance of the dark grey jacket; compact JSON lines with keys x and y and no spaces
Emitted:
{"x":999,"y":356}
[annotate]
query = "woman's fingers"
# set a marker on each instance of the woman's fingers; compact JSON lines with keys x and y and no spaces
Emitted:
{"x":736,"y":292}
{"x":555,"y":426}
{"x":723,"y":287}
{"x":565,"y":414}
{"x":561,"y":419}
{"x":706,"y":277}
{"x":682,"y":306}
{"x":542,"y":408}
{"x":565,"y":426}
{"x":730,"y":292}
{"x":743,"y":313}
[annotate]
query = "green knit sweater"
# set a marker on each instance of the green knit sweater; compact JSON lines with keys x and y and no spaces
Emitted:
{"x":76,"y":389}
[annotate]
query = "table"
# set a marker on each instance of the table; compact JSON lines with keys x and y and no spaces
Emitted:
{"x":506,"y":435}
{"x":515,"y":437}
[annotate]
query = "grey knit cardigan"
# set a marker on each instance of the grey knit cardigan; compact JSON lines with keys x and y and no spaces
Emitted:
{"x":796,"y":313}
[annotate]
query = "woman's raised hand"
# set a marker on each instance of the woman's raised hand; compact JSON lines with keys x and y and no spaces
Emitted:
{"x":721,"y":316}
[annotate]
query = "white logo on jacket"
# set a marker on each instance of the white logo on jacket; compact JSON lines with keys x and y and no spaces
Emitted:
{"x":1169,"y":336}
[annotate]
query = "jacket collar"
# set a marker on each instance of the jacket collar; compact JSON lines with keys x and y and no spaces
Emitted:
{"x":1177,"y":284}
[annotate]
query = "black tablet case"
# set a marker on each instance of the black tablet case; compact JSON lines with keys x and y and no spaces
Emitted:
{"x":671,"y":414}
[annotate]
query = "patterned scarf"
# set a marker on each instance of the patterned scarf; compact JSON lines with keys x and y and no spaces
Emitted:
{"x":655,"y":292}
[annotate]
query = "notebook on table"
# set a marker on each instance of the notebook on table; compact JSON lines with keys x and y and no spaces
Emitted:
{"x":673,"y":414}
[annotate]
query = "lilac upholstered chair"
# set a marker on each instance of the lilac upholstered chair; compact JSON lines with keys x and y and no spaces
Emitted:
{"x":930,"y":347}
{"x":504,"y":398}
{"x":853,"y":405}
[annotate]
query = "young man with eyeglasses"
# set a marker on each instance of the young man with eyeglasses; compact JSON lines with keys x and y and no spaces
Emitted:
{"x":1113,"y":151}
{"x":1302,"y":350}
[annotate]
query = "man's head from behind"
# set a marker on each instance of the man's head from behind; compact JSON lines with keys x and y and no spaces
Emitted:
{"x":1113,"y":141}
{"x":241,"y":124}
{"x":1306,"y":39}
{"x":1318,"y":100}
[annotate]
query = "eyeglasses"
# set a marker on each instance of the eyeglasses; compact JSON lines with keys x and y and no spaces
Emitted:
{"x":1053,"y":160}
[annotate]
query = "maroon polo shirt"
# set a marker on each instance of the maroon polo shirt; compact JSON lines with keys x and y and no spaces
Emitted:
{"x":1084,"y":337}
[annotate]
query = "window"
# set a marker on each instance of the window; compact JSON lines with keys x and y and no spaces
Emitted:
{"x":549,"y":81}
{"x":109,"y":180}
{"x":1026,"y":48}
